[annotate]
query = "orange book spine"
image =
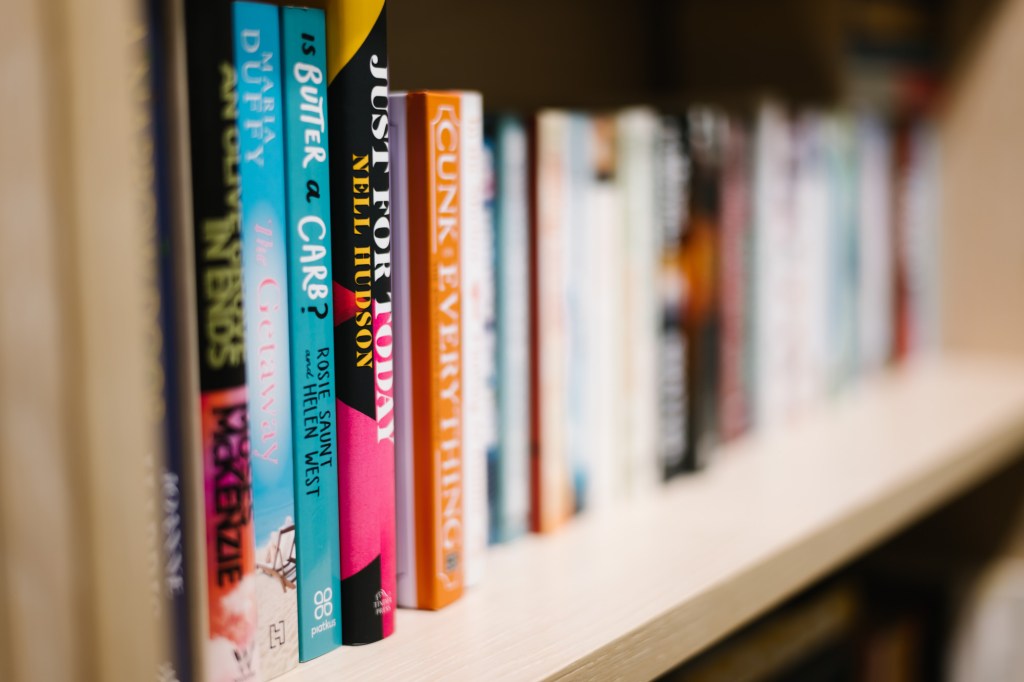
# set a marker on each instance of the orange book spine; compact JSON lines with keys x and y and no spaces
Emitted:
{"x":435,"y":221}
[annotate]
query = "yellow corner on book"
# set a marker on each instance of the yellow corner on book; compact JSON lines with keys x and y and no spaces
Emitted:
{"x":348,"y":24}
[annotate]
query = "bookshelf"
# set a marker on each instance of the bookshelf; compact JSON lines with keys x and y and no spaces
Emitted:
{"x":775,"y":512}
{"x":638,"y":591}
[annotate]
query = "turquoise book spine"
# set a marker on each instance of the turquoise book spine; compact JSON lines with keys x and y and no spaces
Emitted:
{"x":311,"y":318}
{"x":257,"y":52}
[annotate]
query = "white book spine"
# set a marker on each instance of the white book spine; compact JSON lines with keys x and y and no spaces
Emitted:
{"x":807,"y":261}
{"x":874,"y":155}
{"x":405,"y":489}
{"x":638,"y":131}
{"x":602,"y":254}
{"x":773,"y":217}
{"x":477,"y":366}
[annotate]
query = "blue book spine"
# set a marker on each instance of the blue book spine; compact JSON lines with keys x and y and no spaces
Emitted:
{"x":510,"y":515}
{"x":495,"y":487}
{"x":311,"y":319}
{"x":257,"y":45}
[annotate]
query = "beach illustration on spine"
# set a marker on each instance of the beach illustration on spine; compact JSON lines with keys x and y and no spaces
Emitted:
{"x":229,"y":653}
{"x":310,"y":322}
{"x":358,"y":118}
{"x":264,"y":264}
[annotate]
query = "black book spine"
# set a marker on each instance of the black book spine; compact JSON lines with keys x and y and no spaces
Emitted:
{"x":357,"y":109}
{"x":223,"y":419}
{"x":674,"y":181}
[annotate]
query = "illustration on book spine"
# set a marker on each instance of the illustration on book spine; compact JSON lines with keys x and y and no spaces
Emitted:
{"x":265,"y":303}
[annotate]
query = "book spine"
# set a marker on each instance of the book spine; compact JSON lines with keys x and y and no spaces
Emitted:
{"x":604,"y":301}
{"x":475,"y":348}
{"x":257,"y":41}
{"x":364,"y":341}
{"x":874,"y":187}
{"x":551,"y":485}
{"x":842,"y":284}
{"x":701,"y":262}
{"x":919,"y":236}
{"x":734,"y":395}
{"x":805,"y":255}
{"x":576,"y":261}
{"x":901,"y":177}
{"x":637,"y":130}
{"x":405,"y":404}
{"x":495,"y":475}
{"x":230,"y":651}
{"x":774,"y":223}
{"x":435,"y":210}
{"x":315,"y":540}
{"x":174,"y":585}
{"x":511,"y":515}
{"x":673,"y":180}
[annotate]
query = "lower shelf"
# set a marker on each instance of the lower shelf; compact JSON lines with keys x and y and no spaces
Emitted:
{"x":641,"y":588}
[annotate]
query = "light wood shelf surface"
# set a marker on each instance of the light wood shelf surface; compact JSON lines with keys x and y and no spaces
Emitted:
{"x":637,"y":590}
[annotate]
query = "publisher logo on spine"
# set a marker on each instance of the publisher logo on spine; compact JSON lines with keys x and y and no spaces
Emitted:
{"x":381,"y":603}
{"x":322,"y":611}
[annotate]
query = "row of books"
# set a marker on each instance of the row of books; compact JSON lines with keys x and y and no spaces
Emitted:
{"x":695,"y":276}
{"x":397,"y":330}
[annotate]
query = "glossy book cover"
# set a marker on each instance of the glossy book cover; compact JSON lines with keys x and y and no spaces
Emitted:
{"x":229,"y":651}
{"x":429,"y":223}
{"x":265,"y":303}
{"x":311,"y":320}
{"x":357,"y":93}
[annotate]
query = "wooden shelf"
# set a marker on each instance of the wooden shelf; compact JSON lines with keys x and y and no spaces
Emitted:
{"x":640,"y":589}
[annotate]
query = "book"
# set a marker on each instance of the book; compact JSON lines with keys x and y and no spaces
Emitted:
{"x":637,"y":132}
{"x":477,"y":348}
{"x":257,"y":44}
{"x":603,"y":300}
{"x":427,"y":165}
{"x":875,"y":281}
{"x":673,"y":177}
{"x":311,"y":549}
{"x":551,"y":485}
{"x":734,"y":393}
{"x":405,"y":471}
{"x":700,"y":267}
{"x":773,"y":219}
{"x":843,"y":256}
{"x":160,"y":168}
{"x":916,"y":246}
{"x":363,"y":338}
{"x":229,"y":622}
{"x":508,"y":479}
{"x":811,"y":281}
{"x":578,"y":341}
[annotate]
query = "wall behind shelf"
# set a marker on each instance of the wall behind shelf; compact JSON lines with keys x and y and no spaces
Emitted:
{"x":525,"y":54}
{"x":983,"y":188}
